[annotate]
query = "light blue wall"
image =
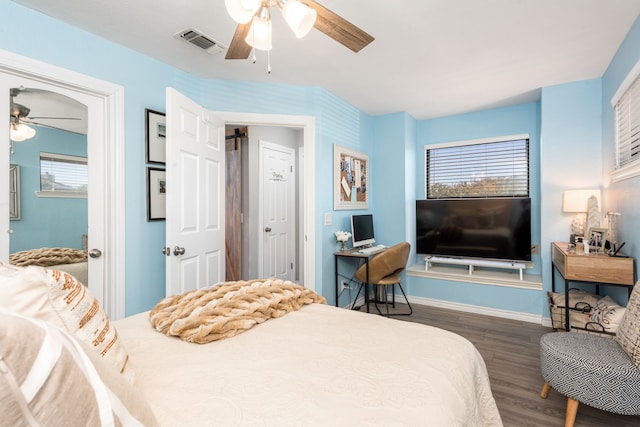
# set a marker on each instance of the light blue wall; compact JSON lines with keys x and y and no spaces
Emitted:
{"x":384,"y":138}
{"x":47,"y":222}
{"x":621,"y":196}
{"x":571,"y":155}
{"x":145,"y":80}
{"x":519,"y":119}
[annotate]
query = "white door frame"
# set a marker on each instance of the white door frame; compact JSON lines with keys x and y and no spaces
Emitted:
{"x":111,"y":97}
{"x":308,"y":126}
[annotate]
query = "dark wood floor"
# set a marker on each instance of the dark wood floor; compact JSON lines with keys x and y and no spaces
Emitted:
{"x":510,"y":349}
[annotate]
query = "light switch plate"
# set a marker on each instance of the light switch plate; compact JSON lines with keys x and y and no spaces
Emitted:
{"x":327,"y":218}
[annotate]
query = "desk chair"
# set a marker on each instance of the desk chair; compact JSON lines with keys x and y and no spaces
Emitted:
{"x":594,"y":370}
{"x":384,"y":270}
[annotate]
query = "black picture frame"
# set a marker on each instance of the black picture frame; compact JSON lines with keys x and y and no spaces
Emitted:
{"x":156,"y":135}
{"x":156,"y":194}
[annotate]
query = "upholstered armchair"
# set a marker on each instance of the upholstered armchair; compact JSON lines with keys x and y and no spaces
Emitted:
{"x":595,"y":370}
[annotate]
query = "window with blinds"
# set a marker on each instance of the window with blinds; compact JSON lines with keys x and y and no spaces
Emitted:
{"x":627,"y":111}
{"x":63,"y":175}
{"x":489,"y":168}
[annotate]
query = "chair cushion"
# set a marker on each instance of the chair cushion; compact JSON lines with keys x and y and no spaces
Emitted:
{"x":591,"y":369}
{"x":392,"y":261}
{"x":628,"y":334}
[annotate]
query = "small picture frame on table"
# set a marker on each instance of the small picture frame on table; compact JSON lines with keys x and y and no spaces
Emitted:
{"x":597,"y":237}
{"x":156,"y":136}
{"x":156,"y":194}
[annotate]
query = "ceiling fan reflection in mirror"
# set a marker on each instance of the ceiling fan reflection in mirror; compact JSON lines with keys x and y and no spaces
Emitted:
{"x":254,"y":25}
{"x":19,"y":114}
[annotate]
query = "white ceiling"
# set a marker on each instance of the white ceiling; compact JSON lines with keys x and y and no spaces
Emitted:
{"x":430,"y":58}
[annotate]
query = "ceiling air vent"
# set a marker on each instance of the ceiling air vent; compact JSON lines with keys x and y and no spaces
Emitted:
{"x":200,"y":40}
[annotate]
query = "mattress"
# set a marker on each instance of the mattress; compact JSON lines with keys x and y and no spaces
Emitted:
{"x":317,"y":366}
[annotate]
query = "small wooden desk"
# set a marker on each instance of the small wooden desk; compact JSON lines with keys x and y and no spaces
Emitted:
{"x":597,"y":268}
{"x":354,"y":254}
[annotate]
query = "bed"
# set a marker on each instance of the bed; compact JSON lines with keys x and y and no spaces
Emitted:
{"x":311,"y":364}
{"x":316,"y":366}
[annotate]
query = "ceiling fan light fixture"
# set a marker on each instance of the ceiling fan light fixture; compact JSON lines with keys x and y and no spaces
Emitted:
{"x":242,"y":10}
{"x":21,"y":132}
{"x":259,"y":36}
{"x":299,"y":17}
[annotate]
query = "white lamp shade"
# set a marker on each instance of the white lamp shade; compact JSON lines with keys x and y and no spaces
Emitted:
{"x":259,"y":35}
{"x":20,"y":132}
{"x":299,"y":17}
{"x":577,"y":200}
{"x":242,"y":10}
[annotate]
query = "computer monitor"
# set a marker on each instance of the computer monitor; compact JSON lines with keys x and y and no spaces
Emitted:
{"x":362,"y":230}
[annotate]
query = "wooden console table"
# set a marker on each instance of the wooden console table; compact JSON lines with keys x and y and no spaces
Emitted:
{"x":597,"y":268}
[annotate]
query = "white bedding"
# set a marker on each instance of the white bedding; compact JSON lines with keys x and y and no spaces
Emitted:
{"x":319,"y":366}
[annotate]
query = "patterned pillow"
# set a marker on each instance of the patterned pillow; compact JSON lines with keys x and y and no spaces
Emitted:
{"x":628,"y":335}
{"x":60,"y":299}
{"x":607,"y":313}
{"x":49,"y":378}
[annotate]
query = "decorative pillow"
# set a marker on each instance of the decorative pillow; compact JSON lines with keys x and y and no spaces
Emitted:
{"x":49,"y":378}
{"x":607,"y":313}
{"x":628,"y":335}
{"x":578,"y":299}
{"x":58,"y":298}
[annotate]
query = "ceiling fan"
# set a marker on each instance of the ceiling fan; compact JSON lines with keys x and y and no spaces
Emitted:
{"x":19,"y":118}
{"x":254,"y":25}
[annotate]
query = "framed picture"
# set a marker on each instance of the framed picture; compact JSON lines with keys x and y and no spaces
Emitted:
{"x":597,"y":237}
{"x":14,"y":192}
{"x":156,"y":194}
{"x":350,"y":179}
{"x":156,"y":136}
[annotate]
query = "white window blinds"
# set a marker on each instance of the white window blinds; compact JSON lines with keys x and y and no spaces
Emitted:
{"x":63,"y":173}
{"x":487,"y":169}
{"x":627,"y":111}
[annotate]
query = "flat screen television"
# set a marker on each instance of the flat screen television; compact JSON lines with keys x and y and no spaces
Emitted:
{"x":493,"y":228}
{"x":362,"y":230}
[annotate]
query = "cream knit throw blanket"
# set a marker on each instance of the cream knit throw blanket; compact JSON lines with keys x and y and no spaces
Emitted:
{"x":206,"y":315}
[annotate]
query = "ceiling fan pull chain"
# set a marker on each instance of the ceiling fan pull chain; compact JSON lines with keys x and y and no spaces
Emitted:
{"x":268,"y":62}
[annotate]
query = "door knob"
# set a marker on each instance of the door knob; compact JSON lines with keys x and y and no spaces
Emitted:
{"x":178,"y":251}
{"x":95,"y":253}
{"x":267,"y":229}
{"x":166,"y":251}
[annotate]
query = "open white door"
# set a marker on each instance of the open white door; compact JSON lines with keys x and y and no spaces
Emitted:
{"x":195,"y":173}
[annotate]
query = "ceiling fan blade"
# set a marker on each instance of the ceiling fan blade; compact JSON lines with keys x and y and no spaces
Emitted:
{"x":53,"y":118}
{"x":49,"y":126}
{"x":239,"y":49}
{"x":339,"y":28}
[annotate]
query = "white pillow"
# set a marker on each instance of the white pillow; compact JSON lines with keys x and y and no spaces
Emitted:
{"x":607,"y":313}
{"x":49,"y":378}
{"x":58,"y":298}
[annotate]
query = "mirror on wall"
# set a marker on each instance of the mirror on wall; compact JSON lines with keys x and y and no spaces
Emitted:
{"x":48,"y":176}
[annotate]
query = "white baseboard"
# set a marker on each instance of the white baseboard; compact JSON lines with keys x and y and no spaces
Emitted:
{"x":468,"y":308}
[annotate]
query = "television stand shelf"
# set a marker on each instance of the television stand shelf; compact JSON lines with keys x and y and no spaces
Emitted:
{"x":510,"y":265}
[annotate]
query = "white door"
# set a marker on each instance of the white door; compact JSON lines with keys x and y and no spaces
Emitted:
{"x":195,"y":173}
{"x":277,"y":201}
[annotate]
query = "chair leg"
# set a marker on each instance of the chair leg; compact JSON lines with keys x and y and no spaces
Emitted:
{"x":353,"y":304}
{"x":386,"y":299}
{"x":407,"y":300}
{"x":572,"y":410}
{"x":545,"y":390}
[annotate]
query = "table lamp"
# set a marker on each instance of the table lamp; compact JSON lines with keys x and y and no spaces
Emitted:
{"x":576,"y":201}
